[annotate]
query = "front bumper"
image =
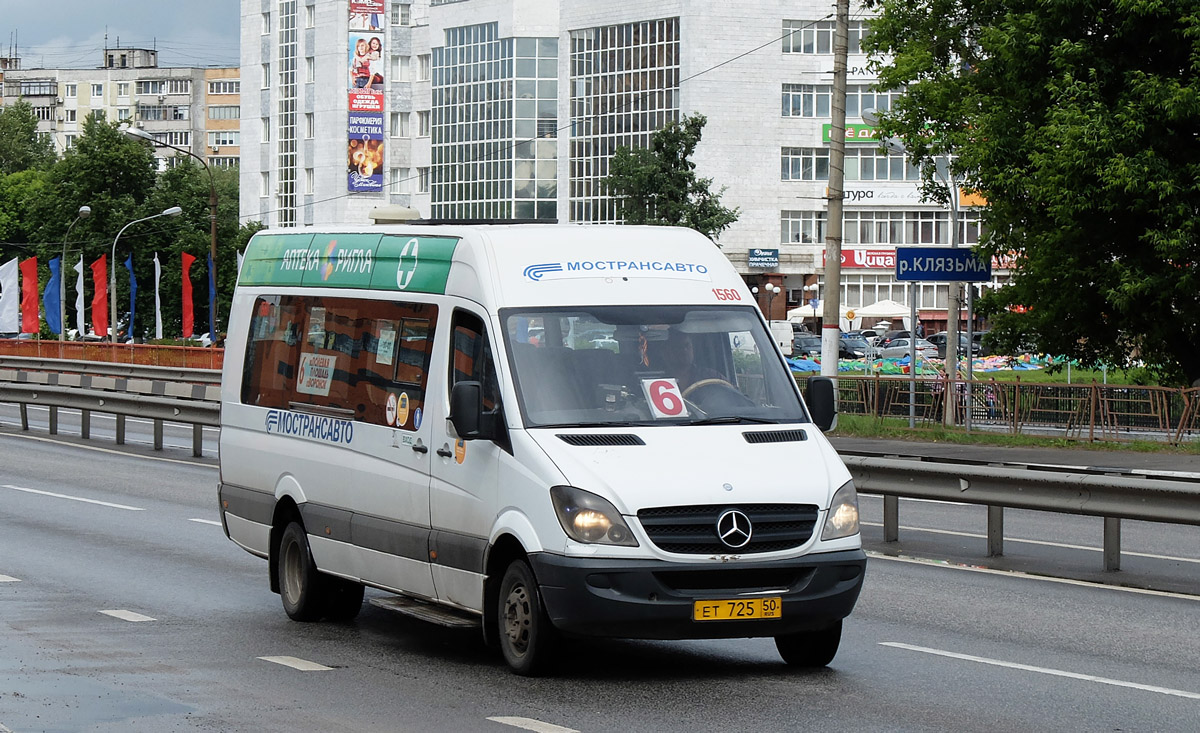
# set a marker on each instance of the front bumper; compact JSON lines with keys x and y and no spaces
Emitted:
{"x":652,"y":599}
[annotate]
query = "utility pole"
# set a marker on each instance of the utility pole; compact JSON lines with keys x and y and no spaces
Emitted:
{"x":831,"y":326}
{"x":954,"y":301}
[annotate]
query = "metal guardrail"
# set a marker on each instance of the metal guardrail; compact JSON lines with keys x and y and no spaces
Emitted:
{"x":1112,"y":497}
{"x":160,"y":394}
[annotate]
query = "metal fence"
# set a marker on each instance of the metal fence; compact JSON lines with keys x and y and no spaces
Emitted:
{"x":187,"y":357}
{"x":1079,"y":411}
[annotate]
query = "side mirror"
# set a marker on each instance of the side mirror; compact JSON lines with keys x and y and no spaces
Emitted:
{"x":820,"y":395}
{"x":467,"y":415}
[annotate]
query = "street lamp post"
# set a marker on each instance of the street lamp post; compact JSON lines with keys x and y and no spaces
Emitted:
{"x":112,"y":280}
{"x":772,"y":291}
{"x":140,"y":134}
{"x":810,"y":295}
{"x":84,"y":212}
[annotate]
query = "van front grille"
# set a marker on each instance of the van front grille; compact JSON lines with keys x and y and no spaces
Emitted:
{"x":692,"y":530}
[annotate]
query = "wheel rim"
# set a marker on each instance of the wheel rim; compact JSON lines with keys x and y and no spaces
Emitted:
{"x":291,"y":573}
{"x":518,"y":618}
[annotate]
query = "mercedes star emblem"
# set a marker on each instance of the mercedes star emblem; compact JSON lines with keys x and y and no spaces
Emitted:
{"x":733,"y":527}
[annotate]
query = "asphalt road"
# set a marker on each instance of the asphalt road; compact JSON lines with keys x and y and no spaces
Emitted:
{"x":90,"y":535}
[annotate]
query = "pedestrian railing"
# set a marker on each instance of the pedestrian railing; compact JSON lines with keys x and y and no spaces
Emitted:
{"x":190,"y":357}
{"x":1080,"y":411}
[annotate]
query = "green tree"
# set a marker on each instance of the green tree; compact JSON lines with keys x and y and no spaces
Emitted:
{"x":1079,"y":122}
{"x":20,"y":147}
{"x":658,"y":185}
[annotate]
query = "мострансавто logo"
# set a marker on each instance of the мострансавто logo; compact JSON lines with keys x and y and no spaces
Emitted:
{"x":314,"y":427}
{"x":621,"y":268}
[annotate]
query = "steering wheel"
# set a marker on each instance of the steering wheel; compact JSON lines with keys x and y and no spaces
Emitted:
{"x":716,"y":393}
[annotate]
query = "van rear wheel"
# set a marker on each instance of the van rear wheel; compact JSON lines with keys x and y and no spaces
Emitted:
{"x":301,"y":586}
{"x":525,"y":631}
{"x":810,"y":649}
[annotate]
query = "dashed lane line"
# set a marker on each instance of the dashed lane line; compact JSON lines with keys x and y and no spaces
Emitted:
{"x":1045,"y":543}
{"x":295,"y":663}
{"x":1027,"y":576}
{"x":530,"y":724}
{"x":98,"y":449}
{"x":206,"y":521}
{"x":8,"y":579}
{"x":73,"y":498}
{"x":127,"y":615}
{"x":1043,"y":670}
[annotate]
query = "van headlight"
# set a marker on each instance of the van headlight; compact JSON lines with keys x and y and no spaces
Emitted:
{"x":590,"y":519}
{"x":842,"y":520}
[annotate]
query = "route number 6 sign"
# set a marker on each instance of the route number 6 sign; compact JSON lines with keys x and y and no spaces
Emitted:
{"x":665,"y":398}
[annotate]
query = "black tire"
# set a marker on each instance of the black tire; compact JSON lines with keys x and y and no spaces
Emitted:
{"x":525,"y":632}
{"x":300,"y":585}
{"x":810,"y":649}
{"x":343,"y":599}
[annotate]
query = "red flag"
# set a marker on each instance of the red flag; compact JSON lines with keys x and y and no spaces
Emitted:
{"x":29,"y":296}
{"x":188,"y":318}
{"x":100,"y":298}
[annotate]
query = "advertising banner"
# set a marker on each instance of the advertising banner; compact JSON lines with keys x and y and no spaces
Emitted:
{"x":366,"y":61}
{"x":365,"y":152}
{"x":366,"y":15}
{"x":365,"y":105}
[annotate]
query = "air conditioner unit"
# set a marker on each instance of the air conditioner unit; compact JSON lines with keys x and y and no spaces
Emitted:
{"x":60,"y":118}
{"x":215,"y":150}
{"x":161,"y":97}
{"x":58,"y":100}
{"x":139,"y":123}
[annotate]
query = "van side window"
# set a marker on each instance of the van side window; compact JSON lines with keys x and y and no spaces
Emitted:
{"x":350,"y":355}
{"x":472,"y":359}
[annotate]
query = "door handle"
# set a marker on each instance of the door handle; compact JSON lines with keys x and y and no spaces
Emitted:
{"x":421,"y":448}
{"x":445,"y":451}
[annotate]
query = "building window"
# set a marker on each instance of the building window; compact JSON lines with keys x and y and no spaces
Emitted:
{"x":802,"y":227}
{"x":401,"y":14}
{"x":266,"y":23}
{"x":223,"y":161}
{"x":310,"y":16}
{"x":72,"y":91}
{"x":310,"y":69}
{"x":43,"y":114}
{"x":46,"y":88}
{"x":122,"y":89}
{"x":224,"y":112}
{"x":264,"y":181}
{"x":71,"y":115}
{"x":266,"y":76}
{"x":123,"y":114}
{"x":178,"y":138}
{"x":864,"y":96}
{"x":97,"y":91}
{"x":806,"y":100}
{"x":423,"y":124}
{"x":397,"y":127}
{"x":266,"y":129}
{"x":179,"y":86}
{"x":816,"y":37}
{"x":309,"y":180}
{"x":225,"y":86}
{"x":221,"y":138}
{"x":424,"y":66}
{"x":181,"y":113}
{"x":422,"y":180}
{"x":869,"y":164}
{"x":151,"y":87}
{"x":69,"y":141}
{"x":402,"y":71}
{"x":805,"y":164}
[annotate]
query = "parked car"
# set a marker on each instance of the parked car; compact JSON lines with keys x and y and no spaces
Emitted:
{"x":887,"y":338}
{"x":853,"y":346}
{"x":939,"y":340}
{"x":899,"y":348}
{"x":806,"y":346}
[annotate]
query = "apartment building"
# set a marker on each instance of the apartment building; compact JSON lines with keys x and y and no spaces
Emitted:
{"x":506,"y":109}
{"x":172,"y":104}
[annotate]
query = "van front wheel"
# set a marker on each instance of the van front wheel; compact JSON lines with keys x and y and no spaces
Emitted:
{"x":810,"y":648}
{"x":525,"y":632}
{"x":300,"y":584}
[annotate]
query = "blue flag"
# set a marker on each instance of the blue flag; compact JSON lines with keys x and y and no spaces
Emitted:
{"x":50,"y":298}
{"x":132,"y":294}
{"x":212,"y":301}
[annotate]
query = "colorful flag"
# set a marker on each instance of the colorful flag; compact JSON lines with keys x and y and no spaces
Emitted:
{"x":132,"y":295}
{"x":100,"y":296}
{"x":29,"y":296}
{"x":80,"y":321}
{"x":157,"y":300}
{"x":10,"y":298}
{"x":188,"y":318}
{"x":51,"y":298}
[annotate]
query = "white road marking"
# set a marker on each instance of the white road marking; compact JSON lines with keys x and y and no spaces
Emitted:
{"x":296,"y":663}
{"x":1044,"y":670}
{"x":128,"y":615}
{"x":1026,"y":576}
{"x":531,"y":724}
{"x":108,"y":416}
{"x":73,"y":498}
{"x":107,"y":450}
{"x":8,"y":579}
{"x":4,"y":729}
{"x":1046,"y":543}
{"x":923,"y":501}
{"x":206,"y":521}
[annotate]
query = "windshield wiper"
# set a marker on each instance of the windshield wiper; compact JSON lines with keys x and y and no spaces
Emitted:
{"x":732,"y":420}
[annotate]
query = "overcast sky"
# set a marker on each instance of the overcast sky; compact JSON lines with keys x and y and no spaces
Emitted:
{"x":70,"y":33}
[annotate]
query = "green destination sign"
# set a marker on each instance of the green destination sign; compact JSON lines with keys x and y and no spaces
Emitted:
{"x":855,"y":133}
{"x":366,"y":261}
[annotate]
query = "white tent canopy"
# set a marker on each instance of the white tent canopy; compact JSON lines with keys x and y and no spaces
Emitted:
{"x":881,"y":309}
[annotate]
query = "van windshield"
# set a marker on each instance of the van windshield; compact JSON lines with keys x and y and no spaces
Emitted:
{"x":647,"y":365}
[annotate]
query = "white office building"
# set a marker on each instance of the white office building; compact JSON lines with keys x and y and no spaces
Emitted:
{"x":472,"y":109}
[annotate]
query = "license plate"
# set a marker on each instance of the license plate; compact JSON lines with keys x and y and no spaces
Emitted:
{"x":746,"y":608}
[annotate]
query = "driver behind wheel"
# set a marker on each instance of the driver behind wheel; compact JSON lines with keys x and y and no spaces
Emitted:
{"x":676,"y":356}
